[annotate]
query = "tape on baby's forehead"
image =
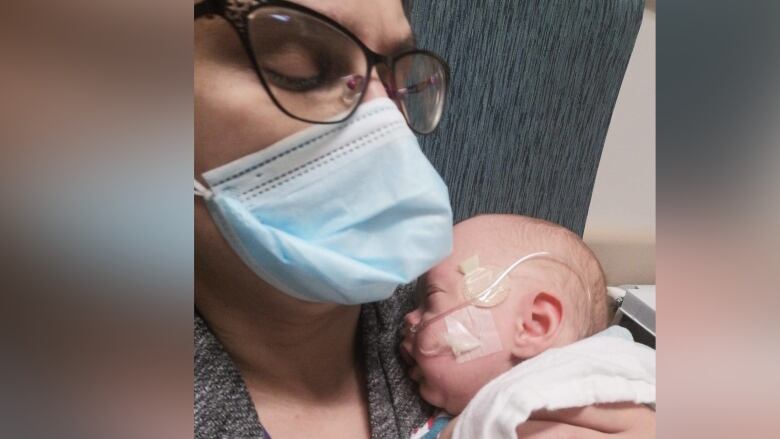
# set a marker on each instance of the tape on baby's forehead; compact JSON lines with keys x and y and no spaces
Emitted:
{"x":468,"y":265}
{"x":478,"y":281}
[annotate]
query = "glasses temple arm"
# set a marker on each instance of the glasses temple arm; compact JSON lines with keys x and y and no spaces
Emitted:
{"x":416,"y":88}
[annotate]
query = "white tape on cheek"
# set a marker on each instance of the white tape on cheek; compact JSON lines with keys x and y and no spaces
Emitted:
{"x":482,"y":328}
{"x":460,"y":339}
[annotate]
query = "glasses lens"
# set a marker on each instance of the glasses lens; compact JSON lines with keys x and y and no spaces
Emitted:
{"x":421,"y":83}
{"x":313,"y":70}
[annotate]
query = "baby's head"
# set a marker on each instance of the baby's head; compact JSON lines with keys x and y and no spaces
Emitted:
{"x":549,"y":300}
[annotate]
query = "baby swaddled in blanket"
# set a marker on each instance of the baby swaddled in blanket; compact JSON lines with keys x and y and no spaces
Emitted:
{"x":510,"y":335}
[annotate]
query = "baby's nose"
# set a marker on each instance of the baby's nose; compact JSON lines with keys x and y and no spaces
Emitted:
{"x":407,"y":343}
{"x":410,"y":320}
{"x":405,"y":331}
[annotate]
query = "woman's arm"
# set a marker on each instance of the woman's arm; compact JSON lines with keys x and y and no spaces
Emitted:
{"x":618,"y":420}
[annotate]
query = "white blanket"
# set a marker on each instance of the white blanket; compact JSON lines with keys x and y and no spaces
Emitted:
{"x":607,"y":367}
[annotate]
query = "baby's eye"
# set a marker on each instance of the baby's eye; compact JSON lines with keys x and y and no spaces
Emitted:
{"x":434,"y":299}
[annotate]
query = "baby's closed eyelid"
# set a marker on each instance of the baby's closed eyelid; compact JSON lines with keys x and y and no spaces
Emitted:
{"x":434,"y":288}
{"x":433,"y":300}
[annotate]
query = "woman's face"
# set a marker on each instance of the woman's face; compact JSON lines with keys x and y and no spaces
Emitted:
{"x":234,"y":116}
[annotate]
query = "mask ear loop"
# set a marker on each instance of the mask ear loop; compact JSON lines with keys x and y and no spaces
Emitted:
{"x":202,"y":191}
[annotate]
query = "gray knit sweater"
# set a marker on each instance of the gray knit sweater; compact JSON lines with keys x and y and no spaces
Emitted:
{"x":224,"y":409}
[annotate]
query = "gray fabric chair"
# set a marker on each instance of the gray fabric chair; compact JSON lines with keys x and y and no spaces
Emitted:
{"x":534,"y":84}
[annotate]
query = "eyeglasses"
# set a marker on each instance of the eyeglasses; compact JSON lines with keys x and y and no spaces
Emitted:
{"x":317,"y":71}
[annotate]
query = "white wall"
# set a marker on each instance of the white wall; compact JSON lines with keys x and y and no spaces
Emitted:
{"x":621,"y":221}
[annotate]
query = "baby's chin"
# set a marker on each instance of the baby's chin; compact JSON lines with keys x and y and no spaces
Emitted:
{"x":431,"y":394}
{"x":437,"y":398}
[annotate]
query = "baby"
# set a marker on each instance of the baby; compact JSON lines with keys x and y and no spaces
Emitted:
{"x":490,"y":318}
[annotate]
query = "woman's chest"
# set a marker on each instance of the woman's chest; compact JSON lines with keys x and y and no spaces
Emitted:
{"x":348,"y":419}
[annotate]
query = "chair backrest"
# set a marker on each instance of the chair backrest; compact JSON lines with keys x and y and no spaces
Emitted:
{"x":534,"y":84}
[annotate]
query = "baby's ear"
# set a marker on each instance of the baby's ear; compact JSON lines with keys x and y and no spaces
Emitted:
{"x":537,"y":325}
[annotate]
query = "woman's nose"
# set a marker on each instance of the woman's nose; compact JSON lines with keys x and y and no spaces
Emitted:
{"x":375,"y":88}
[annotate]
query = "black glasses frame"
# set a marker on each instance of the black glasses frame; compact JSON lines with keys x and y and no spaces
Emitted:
{"x":239,"y":20}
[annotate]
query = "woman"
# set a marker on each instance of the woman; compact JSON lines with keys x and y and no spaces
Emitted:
{"x":271,"y":323}
{"x":314,"y":200}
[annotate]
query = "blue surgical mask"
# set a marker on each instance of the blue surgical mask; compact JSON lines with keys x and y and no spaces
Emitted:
{"x":336,"y":213}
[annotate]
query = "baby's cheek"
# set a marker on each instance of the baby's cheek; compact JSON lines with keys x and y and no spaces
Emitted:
{"x":463,"y":391}
{"x":460,"y":384}
{"x":429,"y":370}
{"x":445,"y":392}
{"x":431,"y":394}
{"x":440,"y":380}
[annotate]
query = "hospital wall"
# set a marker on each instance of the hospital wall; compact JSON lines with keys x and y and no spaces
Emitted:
{"x":621,"y":220}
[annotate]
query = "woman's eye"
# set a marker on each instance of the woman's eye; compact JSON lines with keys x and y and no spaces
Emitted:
{"x":292,"y":83}
{"x":292,"y":67}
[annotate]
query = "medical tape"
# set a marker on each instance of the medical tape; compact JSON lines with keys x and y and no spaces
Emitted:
{"x":471,"y":331}
{"x":468,"y":265}
{"x":472,"y":334}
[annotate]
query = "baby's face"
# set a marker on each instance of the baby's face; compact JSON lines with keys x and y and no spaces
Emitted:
{"x":443,"y":381}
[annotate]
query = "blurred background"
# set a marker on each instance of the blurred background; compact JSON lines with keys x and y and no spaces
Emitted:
{"x":621,"y":221}
{"x":96,"y":218}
